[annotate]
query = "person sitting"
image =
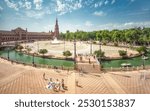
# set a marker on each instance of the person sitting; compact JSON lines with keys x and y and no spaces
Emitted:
{"x":57,"y":86}
{"x":50,"y":84}
{"x":63,"y":87}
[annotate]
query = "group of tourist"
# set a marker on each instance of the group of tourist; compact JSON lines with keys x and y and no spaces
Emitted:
{"x":55,"y":85}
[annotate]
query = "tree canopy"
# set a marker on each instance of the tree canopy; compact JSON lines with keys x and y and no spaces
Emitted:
{"x":67,"y":53}
{"x":134,"y":36}
{"x":43,"y":51}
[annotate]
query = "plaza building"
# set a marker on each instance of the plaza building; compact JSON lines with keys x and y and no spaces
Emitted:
{"x":21,"y":35}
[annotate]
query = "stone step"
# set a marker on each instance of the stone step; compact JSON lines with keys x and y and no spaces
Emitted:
{"x":89,"y":68}
{"x":71,"y":84}
{"x":117,"y":89}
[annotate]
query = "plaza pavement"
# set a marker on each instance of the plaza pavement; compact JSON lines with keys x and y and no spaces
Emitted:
{"x":81,"y":48}
{"x":19,"y":79}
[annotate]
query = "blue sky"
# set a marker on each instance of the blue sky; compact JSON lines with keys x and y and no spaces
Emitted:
{"x":86,"y":15}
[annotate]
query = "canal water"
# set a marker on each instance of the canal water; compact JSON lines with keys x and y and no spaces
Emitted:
{"x":137,"y":61}
{"x":20,"y":57}
{"x":17,"y":56}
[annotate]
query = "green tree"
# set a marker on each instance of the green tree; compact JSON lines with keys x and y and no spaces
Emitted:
{"x":142,"y":49}
{"x":67,"y":53}
{"x":99,"y":53}
{"x":99,"y":36}
{"x":43,"y":51}
{"x":105,"y":36}
{"x":122,"y":53}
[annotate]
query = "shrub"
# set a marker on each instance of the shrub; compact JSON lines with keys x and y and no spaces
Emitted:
{"x":115,"y":44}
{"x":122,"y":53}
{"x":99,"y":53}
{"x":43,"y":51}
{"x":94,"y":42}
{"x":67,"y":53}
{"x":142,"y":49}
{"x":104,"y":43}
{"x":19,"y":47}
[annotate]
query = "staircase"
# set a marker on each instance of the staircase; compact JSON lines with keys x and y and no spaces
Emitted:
{"x":88,"y":67}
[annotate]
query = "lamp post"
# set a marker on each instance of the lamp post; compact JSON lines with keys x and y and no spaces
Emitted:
{"x":64,"y":44}
{"x":143,"y":58}
{"x":8,"y":53}
{"x":100,"y":49}
{"x":74,"y":51}
{"x":37,"y":46}
{"x":33,"y":59}
{"x":91,"y":46}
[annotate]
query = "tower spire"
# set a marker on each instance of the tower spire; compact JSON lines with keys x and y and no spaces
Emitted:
{"x":56,"y":30}
{"x":56,"y":33}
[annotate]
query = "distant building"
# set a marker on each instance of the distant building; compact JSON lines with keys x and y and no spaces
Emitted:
{"x":56,"y":32}
{"x":20,"y":34}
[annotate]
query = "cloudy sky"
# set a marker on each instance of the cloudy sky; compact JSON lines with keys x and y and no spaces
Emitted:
{"x":87,"y":15}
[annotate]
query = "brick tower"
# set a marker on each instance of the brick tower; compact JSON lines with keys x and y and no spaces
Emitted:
{"x":56,"y":32}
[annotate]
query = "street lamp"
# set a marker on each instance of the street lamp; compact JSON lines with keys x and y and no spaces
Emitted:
{"x":33,"y":59}
{"x":100,"y":49}
{"x":91,"y":46}
{"x":37,"y":46}
{"x":8,"y":53}
{"x":143,"y":58}
{"x":64,"y":44}
{"x":74,"y":51}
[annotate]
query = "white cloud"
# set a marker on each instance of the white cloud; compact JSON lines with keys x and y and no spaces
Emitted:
{"x":102,"y":3}
{"x":66,"y":6}
{"x":77,"y":5}
{"x":60,"y":6}
{"x":109,"y":26}
{"x":95,"y":5}
{"x":1,"y":8}
{"x":99,"y":4}
{"x":21,"y":4}
{"x":127,"y":25}
{"x":38,"y":4}
{"x":99,"y":13}
{"x":38,"y":14}
{"x":48,"y":28}
{"x":12,"y":5}
{"x":26,"y":4}
{"x":88,"y":24}
{"x":132,"y":0}
{"x":106,"y":2}
{"x":113,"y":1}
{"x":35,"y":14}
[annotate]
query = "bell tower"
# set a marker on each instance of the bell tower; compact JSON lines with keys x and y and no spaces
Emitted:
{"x":56,"y":32}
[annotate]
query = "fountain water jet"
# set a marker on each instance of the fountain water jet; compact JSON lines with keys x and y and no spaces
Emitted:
{"x":55,"y":41}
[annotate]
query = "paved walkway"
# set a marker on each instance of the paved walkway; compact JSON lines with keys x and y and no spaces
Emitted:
{"x":71,"y":84}
{"x":113,"y":84}
{"x":19,"y":79}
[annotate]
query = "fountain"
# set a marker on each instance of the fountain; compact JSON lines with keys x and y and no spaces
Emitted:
{"x":55,"y":41}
